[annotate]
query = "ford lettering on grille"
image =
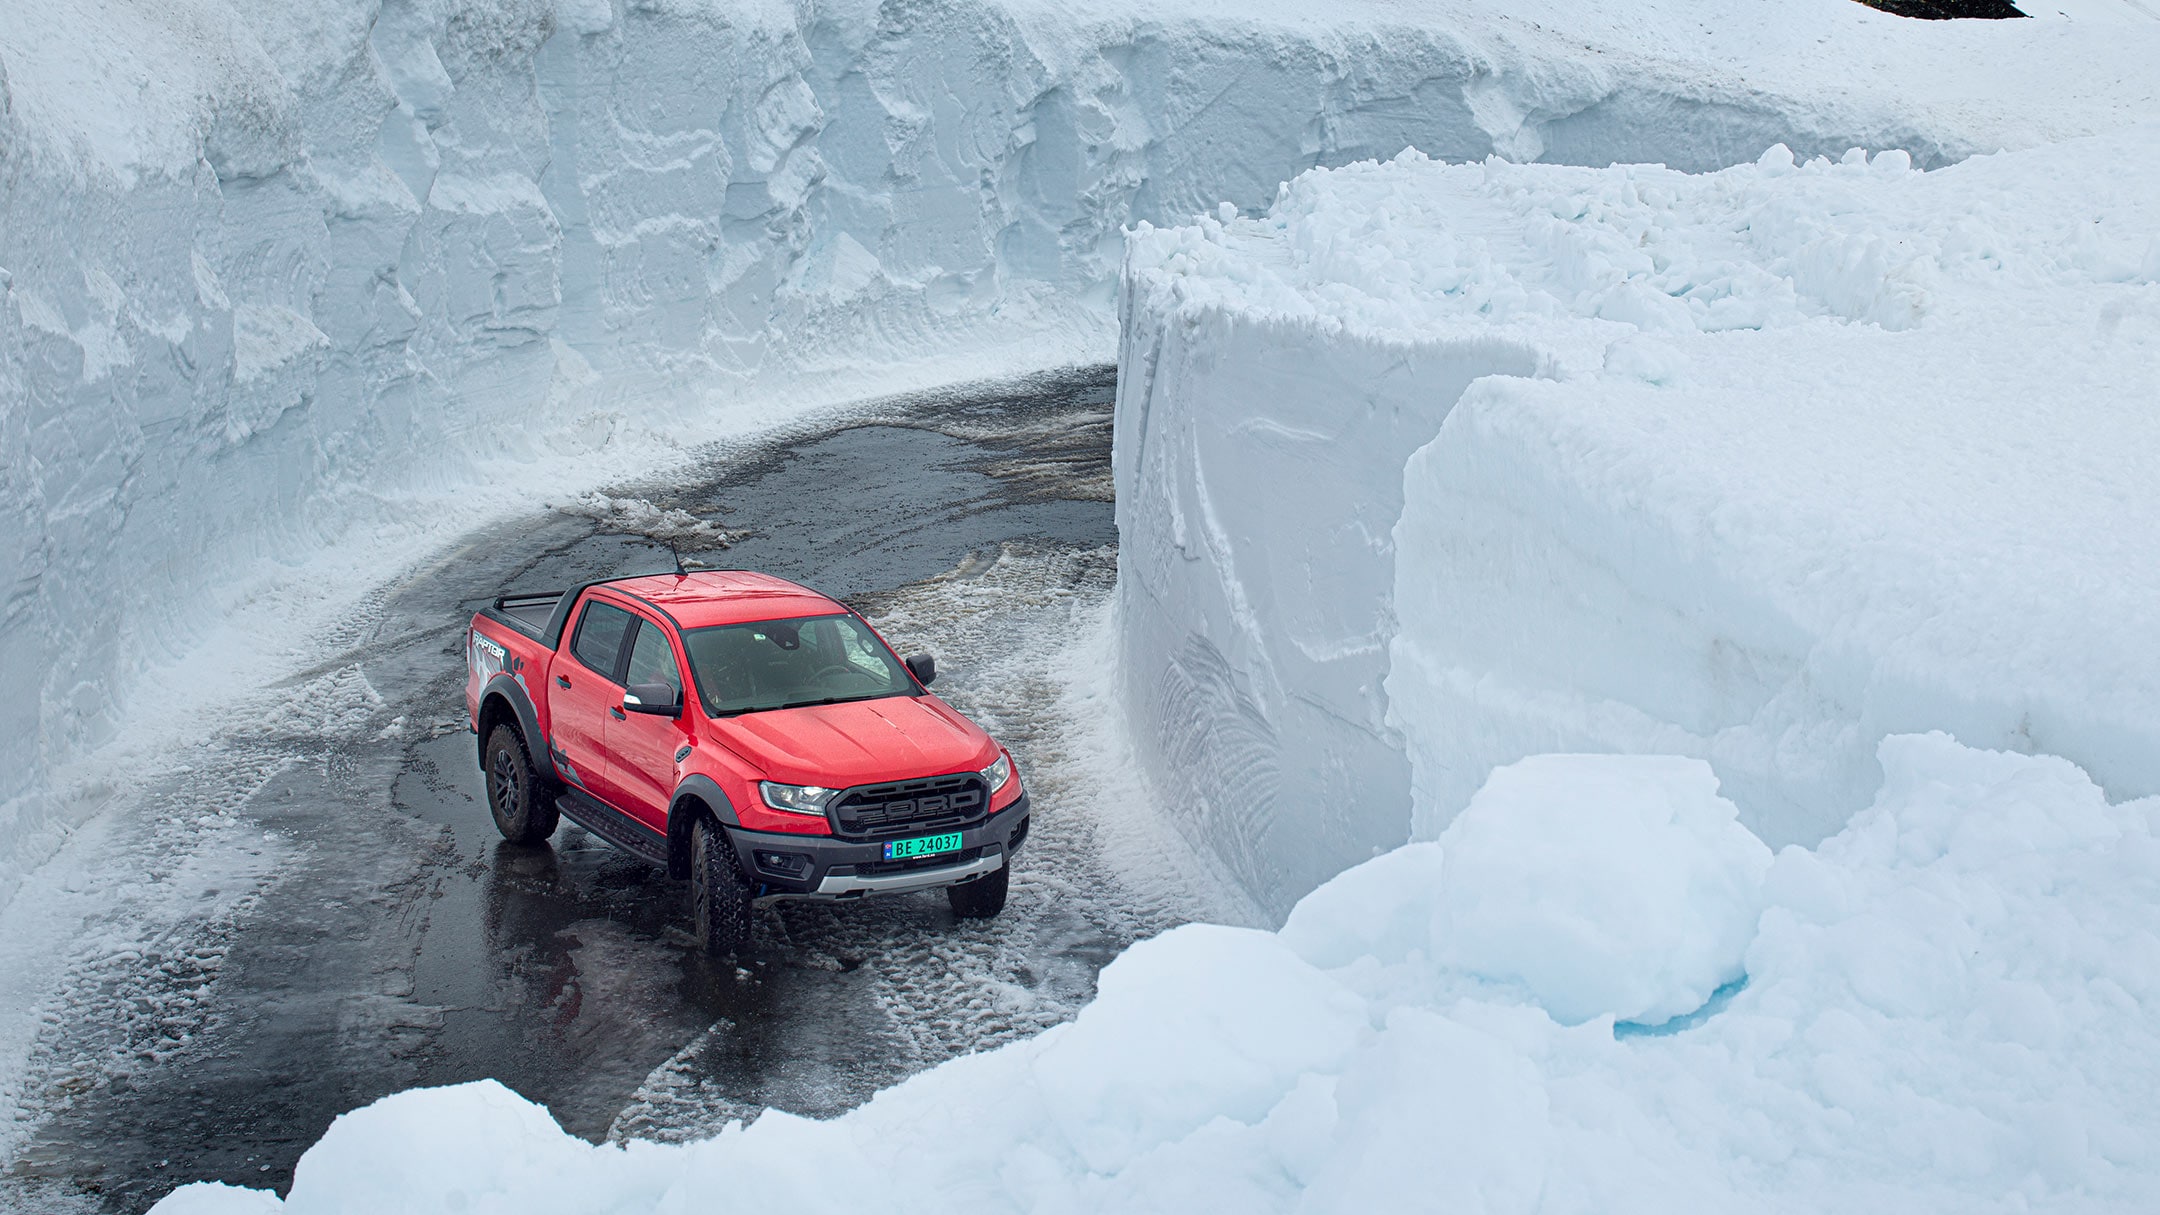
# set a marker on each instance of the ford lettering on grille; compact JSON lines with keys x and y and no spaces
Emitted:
{"x":911,"y":805}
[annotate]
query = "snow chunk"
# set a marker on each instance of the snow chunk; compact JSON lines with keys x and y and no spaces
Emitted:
{"x":481,"y":1124}
{"x":638,"y":517}
{"x":217,"y":1198}
{"x":266,"y":338}
{"x":586,"y":16}
{"x":1618,"y":885}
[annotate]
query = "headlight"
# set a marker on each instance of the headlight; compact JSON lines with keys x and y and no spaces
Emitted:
{"x":998,"y":773}
{"x":796,"y":799}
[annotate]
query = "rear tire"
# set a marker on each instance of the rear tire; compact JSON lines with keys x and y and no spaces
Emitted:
{"x":522,"y":801}
{"x":982,"y":898}
{"x":719,"y":897}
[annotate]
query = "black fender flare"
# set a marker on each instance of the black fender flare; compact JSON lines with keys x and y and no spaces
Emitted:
{"x":513,"y":693}
{"x":698,"y":787}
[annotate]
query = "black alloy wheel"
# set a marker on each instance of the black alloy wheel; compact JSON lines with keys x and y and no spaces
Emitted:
{"x":522,"y":803}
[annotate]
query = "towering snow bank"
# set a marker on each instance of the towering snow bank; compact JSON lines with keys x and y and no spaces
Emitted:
{"x":1765,"y":464}
{"x":1949,"y":1007}
{"x":268,"y":267}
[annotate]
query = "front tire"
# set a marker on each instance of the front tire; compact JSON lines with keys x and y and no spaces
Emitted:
{"x":982,"y":898}
{"x":719,"y":898}
{"x":522,"y":802}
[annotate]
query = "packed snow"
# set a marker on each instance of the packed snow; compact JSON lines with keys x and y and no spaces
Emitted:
{"x":1758,"y":465}
{"x":1944,"y":1008}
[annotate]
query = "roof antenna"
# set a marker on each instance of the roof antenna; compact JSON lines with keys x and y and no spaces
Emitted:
{"x":680,"y":572}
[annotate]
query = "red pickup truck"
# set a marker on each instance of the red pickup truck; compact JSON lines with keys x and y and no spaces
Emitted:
{"x":743,"y":732}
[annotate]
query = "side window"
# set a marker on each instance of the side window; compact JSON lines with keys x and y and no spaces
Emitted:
{"x":652,"y":660}
{"x":600,"y":636}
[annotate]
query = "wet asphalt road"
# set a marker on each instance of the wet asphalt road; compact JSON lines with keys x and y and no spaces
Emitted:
{"x":400,"y":942}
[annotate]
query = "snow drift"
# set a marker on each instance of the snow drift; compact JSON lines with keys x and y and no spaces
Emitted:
{"x":269,"y":268}
{"x":1945,"y":1008}
{"x":1759,"y":465}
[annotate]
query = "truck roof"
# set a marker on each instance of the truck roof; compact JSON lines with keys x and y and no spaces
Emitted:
{"x":703,"y":598}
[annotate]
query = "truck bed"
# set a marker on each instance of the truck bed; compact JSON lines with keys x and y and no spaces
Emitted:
{"x":528,"y":614}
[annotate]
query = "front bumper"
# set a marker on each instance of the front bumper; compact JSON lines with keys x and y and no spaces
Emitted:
{"x":782,"y":866}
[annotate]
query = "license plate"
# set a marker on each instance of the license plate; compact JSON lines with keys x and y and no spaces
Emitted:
{"x":929,"y":845}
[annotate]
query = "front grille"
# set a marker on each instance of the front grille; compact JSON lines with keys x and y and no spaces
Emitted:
{"x":941,"y":860}
{"x":911,"y":806}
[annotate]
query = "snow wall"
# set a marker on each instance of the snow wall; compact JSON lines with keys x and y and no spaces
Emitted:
{"x":1255,"y":575}
{"x":269,"y":267}
{"x":1758,"y":466}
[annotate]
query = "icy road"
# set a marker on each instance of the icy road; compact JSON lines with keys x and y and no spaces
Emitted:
{"x":364,"y":930}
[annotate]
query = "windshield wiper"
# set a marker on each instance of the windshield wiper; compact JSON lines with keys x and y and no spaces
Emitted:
{"x":804,"y":704}
{"x":834,"y":700}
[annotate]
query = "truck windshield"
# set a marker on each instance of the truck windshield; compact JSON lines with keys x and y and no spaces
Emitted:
{"x":785,"y":664}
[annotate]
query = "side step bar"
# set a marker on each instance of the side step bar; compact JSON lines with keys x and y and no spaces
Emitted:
{"x":614,"y":826}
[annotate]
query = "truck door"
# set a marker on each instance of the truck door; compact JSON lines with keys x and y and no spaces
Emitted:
{"x":582,"y":691}
{"x":642,"y":746}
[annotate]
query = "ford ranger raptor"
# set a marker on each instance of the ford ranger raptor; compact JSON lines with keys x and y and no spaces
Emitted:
{"x":745,"y":733}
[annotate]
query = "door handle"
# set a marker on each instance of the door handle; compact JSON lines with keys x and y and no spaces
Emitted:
{"x":617,"y":711}
{"x":562,"y":681}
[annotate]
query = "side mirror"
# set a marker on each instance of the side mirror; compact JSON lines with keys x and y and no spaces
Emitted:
{"x":658,"y":699}
{"x":924,"y":668}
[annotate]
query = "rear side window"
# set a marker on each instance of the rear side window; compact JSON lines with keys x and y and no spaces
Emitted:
{"x":652,"y":660}
{"x":600,"y":636}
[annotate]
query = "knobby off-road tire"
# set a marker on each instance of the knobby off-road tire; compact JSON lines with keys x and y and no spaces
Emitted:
{"x":982,"y":898}
{"x":522,"y":801}
{"x":719,"y":897}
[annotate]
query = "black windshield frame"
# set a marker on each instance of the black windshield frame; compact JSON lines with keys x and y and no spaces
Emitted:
{"x":740,"y":668}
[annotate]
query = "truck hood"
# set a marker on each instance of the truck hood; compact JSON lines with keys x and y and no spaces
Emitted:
{"x":859,"y":742}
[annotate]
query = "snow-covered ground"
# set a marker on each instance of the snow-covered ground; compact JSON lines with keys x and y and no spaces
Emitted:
{"x":1943,"y":1008}
{"x":272,"y":269}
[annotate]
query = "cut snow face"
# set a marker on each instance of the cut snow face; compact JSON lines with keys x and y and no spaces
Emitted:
{"x":1946,"y":1011}
{"x":1758,"y":465}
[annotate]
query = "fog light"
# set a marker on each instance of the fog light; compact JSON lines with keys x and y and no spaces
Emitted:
{"x":788,"y":863}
